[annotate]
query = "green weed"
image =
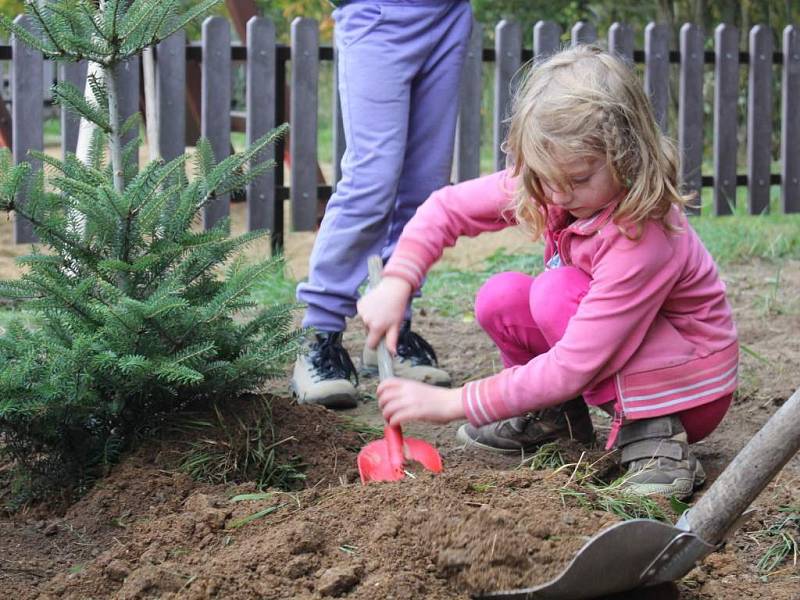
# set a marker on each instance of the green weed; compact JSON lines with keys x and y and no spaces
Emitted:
{"x":783,"y":539}
{"x":232,"y":448}
{"x":547,"y":456}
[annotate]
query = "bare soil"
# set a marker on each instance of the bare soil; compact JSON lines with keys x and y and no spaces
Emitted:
{"x":487,"y":523}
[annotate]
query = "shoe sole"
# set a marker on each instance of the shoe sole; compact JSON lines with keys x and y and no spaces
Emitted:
{"x":462,"y":436}
{"x":681,"y":488}
{"x":334,"y":402}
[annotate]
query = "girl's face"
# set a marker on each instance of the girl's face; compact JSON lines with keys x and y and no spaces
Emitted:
{"x":592,"y":187}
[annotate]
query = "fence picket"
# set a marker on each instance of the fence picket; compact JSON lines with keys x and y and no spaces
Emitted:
{"x":215,"y":103}
{"x":27,"y":114}
{"x":127,"y":74}
{"x":690,"y":112}
{"x":171,"y":95}
{"x":508,"y":57}
{"x":759,"y":119}
{"x":790,"y":121}
{"x":656,"y":70}
{"x":726,"y":93}
{"x":583,"y":32}
{"x":260,"y":105}
{"x":468,"y":131}
{"x":546,"y":38}
{"x":303,"y":112}
{"x":620,"y":41}
{"x":74,"y":73}
{"x":339,"y":142}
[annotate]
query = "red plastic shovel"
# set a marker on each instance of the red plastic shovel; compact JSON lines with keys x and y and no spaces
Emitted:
{"x":384,"y":459}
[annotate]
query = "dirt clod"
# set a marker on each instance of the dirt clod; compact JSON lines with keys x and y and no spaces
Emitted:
{"x":337,"y":581}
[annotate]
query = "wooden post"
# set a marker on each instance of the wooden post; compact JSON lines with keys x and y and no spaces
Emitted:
{"x":305,"y":75}
{"x":215,"y":122}
{"x":127,"y":77}
{"x":261,"y":119}
{"x":171,"y":95}
{"x":583,"y":32}
{"x":656,"y":71}
{"x":759,"y":120}
{"x":508,"y":57}
{"x":620,"y":41}
{"x":546,"y":38}
{"x":74,"y":73}
{"x":27,"y":101}
{"x":690,"y":112}
{"x":468,"y":130}
{"x":790,"y":121}
{"x":726,"y":96}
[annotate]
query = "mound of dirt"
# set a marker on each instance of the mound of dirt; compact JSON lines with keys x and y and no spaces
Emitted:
{"x":147,"y":531}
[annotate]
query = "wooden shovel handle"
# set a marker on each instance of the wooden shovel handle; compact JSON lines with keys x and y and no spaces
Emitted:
{"x":748,"y":474}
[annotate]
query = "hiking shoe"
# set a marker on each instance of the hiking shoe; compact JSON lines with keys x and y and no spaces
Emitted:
{"x":657,"y":456}
{"x":415,"y":359}
{"x":324,"y":374}
{"x":570,"y":420}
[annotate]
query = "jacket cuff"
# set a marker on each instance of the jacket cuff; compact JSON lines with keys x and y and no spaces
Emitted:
{"x":410,"y":261}
{"x":482,"y":401}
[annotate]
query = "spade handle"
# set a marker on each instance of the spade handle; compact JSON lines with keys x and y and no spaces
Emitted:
{"x":392,"y":433}
{"x":375,"y":266}
{"x":717,"y":512}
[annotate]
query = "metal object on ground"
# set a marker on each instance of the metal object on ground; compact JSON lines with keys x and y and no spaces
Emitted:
{"x":637,"y":554}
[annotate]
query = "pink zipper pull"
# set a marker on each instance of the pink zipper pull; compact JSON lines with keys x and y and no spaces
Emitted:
{"x":616,"y":424}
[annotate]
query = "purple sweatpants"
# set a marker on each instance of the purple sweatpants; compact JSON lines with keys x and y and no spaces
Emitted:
{"x":525,"y":316}
{"x":399,"y":72}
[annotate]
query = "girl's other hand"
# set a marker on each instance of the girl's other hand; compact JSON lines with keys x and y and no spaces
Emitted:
{"x":405,"y":400}
{"x":382,"y":310}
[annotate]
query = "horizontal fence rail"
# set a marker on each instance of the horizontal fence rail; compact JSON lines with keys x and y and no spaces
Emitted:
{"x":282,"y":84}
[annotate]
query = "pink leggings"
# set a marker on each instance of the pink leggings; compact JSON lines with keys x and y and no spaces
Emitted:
{"x":525,"y":316}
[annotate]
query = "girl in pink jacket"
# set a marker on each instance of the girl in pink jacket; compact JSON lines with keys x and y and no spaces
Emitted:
{"x":630,"y":313}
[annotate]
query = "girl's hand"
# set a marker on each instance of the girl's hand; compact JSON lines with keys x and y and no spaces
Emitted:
{"x":404,"y":400}
{"x":382,"y":310}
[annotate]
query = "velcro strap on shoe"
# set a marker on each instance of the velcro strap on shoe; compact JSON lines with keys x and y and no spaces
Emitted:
{"x":651,"y":448}
{"x":661,"y":427}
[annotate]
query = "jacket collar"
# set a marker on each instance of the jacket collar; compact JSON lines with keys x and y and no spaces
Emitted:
{"x":559,"y":219}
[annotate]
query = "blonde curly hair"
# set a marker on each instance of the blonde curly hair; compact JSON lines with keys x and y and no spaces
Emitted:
{"x":585,"y":103}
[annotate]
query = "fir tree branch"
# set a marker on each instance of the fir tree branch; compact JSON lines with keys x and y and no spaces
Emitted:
{"x":34,"y":8}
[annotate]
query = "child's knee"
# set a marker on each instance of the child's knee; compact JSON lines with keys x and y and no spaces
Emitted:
{"x":499,"y":295}
{"x":555,"y":296}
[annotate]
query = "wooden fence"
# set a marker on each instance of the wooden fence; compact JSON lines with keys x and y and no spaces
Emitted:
{"x":270,"y":67}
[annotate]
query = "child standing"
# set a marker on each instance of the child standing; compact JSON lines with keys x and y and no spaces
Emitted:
{"x":399,"y":70}
{"x":630,"y":312}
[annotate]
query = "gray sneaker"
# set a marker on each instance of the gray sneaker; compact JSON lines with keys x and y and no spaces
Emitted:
{"x":570,"y":420}
{"x":324,"y":374}
{"x":657,"y":456}
{"x":415,"y":360}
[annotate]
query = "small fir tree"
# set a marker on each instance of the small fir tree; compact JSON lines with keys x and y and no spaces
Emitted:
{"x":134,"y":309}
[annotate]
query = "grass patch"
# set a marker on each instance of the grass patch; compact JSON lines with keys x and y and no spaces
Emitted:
{"x":238,"y":446}
{"x":586,"y":487}
{"x":782,"y":538}
{"x":366,"y":432}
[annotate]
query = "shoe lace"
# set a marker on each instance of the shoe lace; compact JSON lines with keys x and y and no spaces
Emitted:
{"x":415,"y":348}
{"x":331,"y":360}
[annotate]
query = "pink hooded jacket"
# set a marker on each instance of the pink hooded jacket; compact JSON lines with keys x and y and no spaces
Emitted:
{"x":655,"y":317}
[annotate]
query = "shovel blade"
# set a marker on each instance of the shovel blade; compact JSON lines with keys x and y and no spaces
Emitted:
{"x":613,"y":561}
{"x":377,"y":463}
